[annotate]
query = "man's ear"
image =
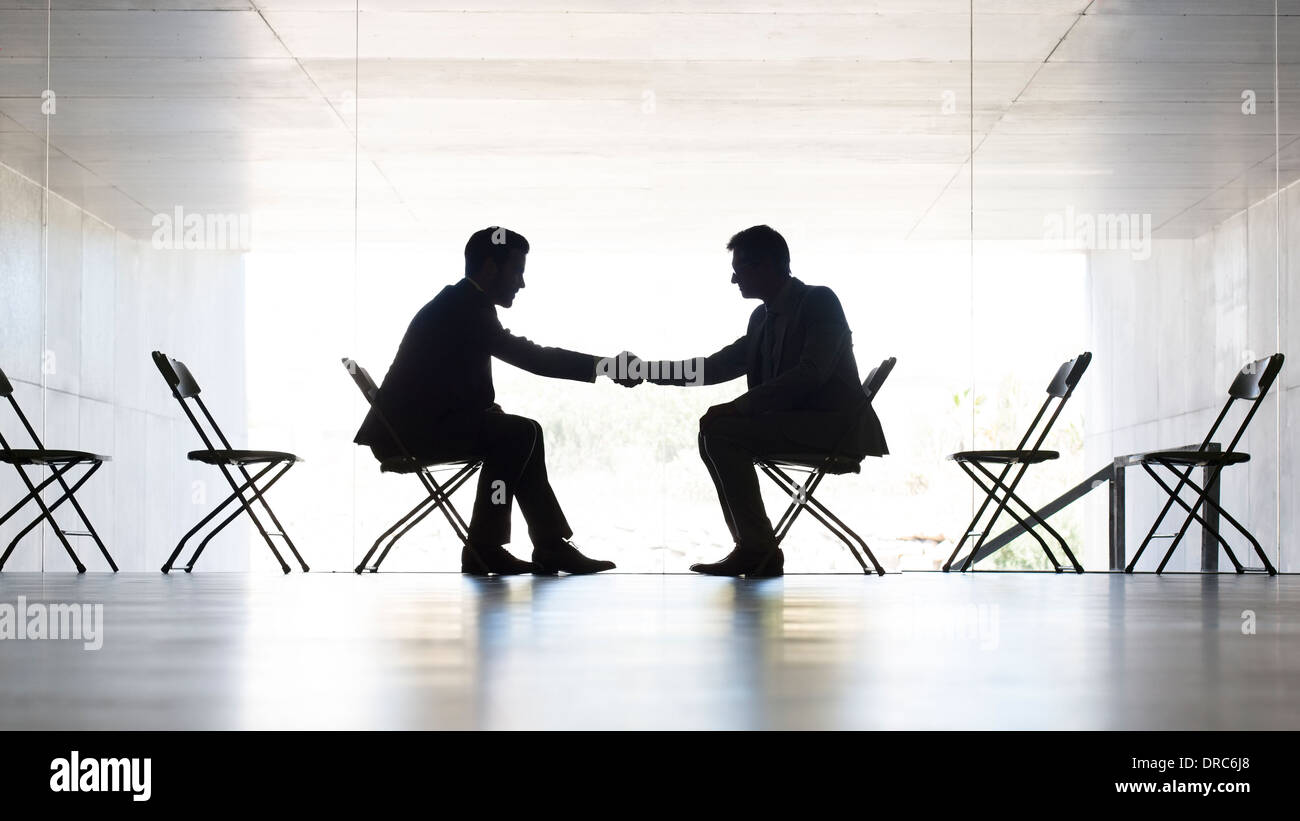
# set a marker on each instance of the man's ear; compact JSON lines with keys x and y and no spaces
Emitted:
{"x":487,"y":272}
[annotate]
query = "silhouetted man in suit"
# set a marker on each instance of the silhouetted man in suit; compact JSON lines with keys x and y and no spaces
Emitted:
{"x":438,"y":397}
{"x":804,"y":394}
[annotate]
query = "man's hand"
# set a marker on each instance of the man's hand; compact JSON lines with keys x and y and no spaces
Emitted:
{"x":626,"y":369}
{"x":720,"y":411}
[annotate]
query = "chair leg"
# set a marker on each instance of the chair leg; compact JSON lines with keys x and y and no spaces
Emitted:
{"x":451,"y":486}
{"x":276,"y":522}
{"x":171,"y":560}
{"x":440,"y":495}
{"x":35,"y":489}
{"x":1204,"y":496}
{"x":433,"y":505}
{"x":823,"y":515}
{"x":1259,"y":551}
{"x":1038,"y":519}
{"x":1009,"y":492}
{"x":797,"y":501}
{"x":817,"y":510}
{"x":70,"y":495}
{"x":246,"y":507}
{"x":1164,"y":511}
{"x":992,"y":491}
{"x":47,"y":513}
{"x":257,"y":522}
{"x":85,"y":520}
{"x":974,"y":523}
{"x":365,"y":560}
{"x":1008,"y":495}
{"x":1192,"y":515}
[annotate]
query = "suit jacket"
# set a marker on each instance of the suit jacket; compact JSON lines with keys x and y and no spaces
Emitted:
{"x":444,"y":366}
{"x":807,"y":353}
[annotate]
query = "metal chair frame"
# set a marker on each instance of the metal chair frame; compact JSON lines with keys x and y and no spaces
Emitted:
{"x":1251,"y":385}
{"x":60,"y":463}
{"x":815,"y":468}
{"x":230,"y":461}
{"x":995,"y":486}
{"x":438,"y":494}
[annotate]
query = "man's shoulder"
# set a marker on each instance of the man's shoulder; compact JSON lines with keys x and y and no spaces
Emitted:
{"x":452,"y":303}
{"x":820,"y":297}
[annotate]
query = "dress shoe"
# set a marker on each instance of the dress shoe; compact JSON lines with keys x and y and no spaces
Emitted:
{"x":483,"y":560}
{"x":752,"y":564}
{"x":563,"y":557}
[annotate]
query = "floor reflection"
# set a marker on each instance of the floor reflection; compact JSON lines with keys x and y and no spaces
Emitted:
{"x":443,"y":651}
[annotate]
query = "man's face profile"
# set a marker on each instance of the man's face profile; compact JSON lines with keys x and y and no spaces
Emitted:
{"x":502,"y":283}
{"x":748,"y":274}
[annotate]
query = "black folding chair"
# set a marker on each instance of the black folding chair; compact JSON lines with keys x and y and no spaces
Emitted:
{"x":818,"y":467}
{"x":1250,"y":385}
{"x":439,"y":493}
{"x":60,"y":462}
{"x":975,"y":462}
{"x":228,"y":460}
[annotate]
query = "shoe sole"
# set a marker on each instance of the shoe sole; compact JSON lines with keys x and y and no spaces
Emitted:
{"x":481,"y":573}
{"x":546,"y":571}
{"x":759,"y":572}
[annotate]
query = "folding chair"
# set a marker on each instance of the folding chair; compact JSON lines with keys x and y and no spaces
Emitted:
{"x":975,"y":462}
{"x":228,"y":460}
{"x":817,"y":467}
{"x":60,"y":462}
{"x":1251,"y":385}
{"x":439,"y":494}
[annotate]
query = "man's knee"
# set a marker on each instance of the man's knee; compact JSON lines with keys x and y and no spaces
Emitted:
{"x":720,"y":428}
{"x":517,"y":434}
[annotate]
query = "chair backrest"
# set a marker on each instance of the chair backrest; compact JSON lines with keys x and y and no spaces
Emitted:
{"x":177,"y":376}
{"x":7,"y":391}
{"x":365,"y":384}
{"x":1254,"y":380}
{"x":183,"y":386}
{"x":1068,"y":375}
{"x":1251,"y":384}
{"x":362,"y":379}
{"x":1059,"y":391}
{"x":872,"y":384}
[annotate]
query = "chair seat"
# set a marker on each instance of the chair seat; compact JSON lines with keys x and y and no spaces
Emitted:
{"x":1005,"y":457}
{"x":1196,"y":458}
{"x":401,"y":464}
{"x":50,"y":457}
{"x":240,"y":457}
{"x":837,"y":465}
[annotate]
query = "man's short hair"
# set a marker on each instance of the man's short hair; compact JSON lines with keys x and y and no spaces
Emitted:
{"x":493,"y":242}
{"x":762,"y":242}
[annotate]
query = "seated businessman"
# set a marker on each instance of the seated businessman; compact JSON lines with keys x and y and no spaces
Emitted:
{"x":804,"y":397}
{"x":439,"y":398}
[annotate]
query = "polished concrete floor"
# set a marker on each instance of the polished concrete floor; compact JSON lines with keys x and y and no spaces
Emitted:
{"x":917,"y":650}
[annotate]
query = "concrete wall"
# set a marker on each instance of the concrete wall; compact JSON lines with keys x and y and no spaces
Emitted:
{"x":1169,"y":333}
{"x":76,"y":330}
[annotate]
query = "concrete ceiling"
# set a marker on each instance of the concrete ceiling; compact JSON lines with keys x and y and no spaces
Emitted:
{"x":688,"y":117}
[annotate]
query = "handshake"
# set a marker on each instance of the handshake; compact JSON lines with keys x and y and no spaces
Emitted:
{"x":629,"y":370}
{"x":626,"y":369}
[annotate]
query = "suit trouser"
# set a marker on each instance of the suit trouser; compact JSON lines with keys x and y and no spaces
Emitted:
{"x":514,"y":468}
{"x":730,"y":444}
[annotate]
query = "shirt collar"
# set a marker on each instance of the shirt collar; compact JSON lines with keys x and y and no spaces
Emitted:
{"x":477,"y":289}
